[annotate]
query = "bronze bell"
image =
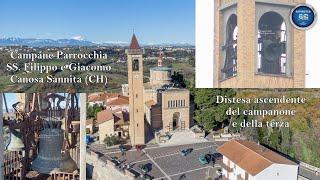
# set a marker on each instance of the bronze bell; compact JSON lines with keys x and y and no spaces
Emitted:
{"x":15,"y":141}
{"x":50,"y":156}
{"x":67,"y":164}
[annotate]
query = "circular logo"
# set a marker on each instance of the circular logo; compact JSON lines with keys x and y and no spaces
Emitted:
{"x":303,"y":16}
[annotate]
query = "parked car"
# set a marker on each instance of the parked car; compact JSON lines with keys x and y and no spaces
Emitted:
{"x":145,"y":168}
{"x":217,"y":156}
{"x":185,"y":152}
{"x":205,"y":159}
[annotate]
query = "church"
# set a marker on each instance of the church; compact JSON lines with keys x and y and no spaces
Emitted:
{"x":154,"y":106}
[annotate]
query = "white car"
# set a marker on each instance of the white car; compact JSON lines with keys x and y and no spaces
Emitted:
{"x":219,"y":172}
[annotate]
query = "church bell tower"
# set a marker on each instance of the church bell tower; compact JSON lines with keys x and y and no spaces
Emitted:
{"x":256,"y":46}
{"x":135,"y":82}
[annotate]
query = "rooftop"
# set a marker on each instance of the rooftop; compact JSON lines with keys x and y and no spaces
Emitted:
{"x":250,"y":156}
{"x":104,"y":116}
{"x":160,"y":68}
{"x":134,"y":43}
{"x":89,"y":121}
{"x":121,"y":100}
{"x":101,"y":96}
{"x":175,"y":90}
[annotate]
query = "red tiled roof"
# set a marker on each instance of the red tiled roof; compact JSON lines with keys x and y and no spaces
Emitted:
{"x":134,"y":43}
{"x":104,"y":116}
{"x":96,"y":97}
{"x":251,"y":157}
{"x":121,"y":100}
{"x":102,"y":96}
{"x":89,"y":121}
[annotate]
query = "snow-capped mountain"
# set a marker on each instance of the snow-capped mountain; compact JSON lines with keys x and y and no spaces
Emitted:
{"x":72,"y":42}
{"x":43,"y":42}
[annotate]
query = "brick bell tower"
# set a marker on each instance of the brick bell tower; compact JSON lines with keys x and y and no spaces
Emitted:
{"x":256,"y":46}
{"x":135,"y":82}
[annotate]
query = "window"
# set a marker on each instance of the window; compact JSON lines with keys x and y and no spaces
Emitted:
{"x":135,"y":65}
{"x":272,"y":43}
{"x":230,"y":48}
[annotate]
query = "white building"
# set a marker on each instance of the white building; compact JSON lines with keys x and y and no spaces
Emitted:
{"x":246,"y":160}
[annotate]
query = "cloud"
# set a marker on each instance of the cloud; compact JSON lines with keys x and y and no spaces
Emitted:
{"x":79,"y":37}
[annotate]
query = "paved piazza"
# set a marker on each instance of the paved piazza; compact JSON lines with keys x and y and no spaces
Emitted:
{"x":165,"y":162}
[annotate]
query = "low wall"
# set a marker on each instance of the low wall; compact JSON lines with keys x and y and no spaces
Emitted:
{"x":105,"y":170}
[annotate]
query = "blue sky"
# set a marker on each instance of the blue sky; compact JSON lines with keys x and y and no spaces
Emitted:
{"x":154,"y":21}
{"x":11,"y":99}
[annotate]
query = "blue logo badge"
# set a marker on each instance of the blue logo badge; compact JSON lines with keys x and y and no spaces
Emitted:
{"x":303,"y":16}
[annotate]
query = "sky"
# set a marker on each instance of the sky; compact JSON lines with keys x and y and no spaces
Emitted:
{"x":11,"y":99}
{"x":153,"y":21}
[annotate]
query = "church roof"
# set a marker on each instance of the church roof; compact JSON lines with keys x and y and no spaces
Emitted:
{"x":134,"y":43}
{"x":160,"y":68}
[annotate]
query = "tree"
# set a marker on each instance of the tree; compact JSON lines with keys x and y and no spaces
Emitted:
{"x":209,"y":113}
{"x":178,"y":80}
{"x":111,"y":140}
{"x":93,"y":110}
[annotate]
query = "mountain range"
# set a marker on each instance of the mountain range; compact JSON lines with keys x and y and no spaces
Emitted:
{"x":43,"y":42}
{"x":69,"y":42}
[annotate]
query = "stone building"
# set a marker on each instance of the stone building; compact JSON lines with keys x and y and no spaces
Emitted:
{"x":113,"y":120}
{"x":256,"y":46}
{"x":164,"y":107}
{"x":112,"y":123}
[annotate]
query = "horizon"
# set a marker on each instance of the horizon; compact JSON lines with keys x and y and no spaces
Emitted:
{"x":106,"y":42}
{"x":154,"y":22}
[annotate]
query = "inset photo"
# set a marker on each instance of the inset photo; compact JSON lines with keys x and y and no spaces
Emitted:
{"x":41,"y":136}
{"x":259,"y":44}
